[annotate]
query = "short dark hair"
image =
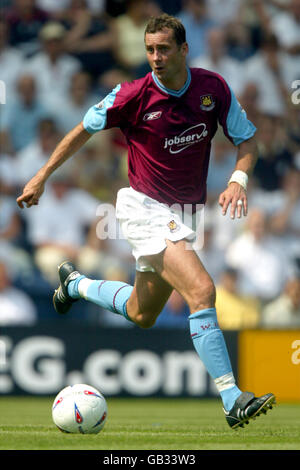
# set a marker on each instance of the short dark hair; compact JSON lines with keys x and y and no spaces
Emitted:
{"x":158,"y":23}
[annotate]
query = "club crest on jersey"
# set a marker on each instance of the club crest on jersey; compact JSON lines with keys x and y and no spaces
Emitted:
{"x":207,"y":103}
{"x":173,"y":226}
{"x":152,"y":116}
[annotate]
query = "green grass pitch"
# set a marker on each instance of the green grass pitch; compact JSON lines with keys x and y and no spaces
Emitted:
{"x":152,"y":424}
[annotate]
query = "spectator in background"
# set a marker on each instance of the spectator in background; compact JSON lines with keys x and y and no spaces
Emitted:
{"x":222,"y":13}
{"x":197,"y":23}
{"x":52,"y":67}
{"x":114,"y":260}
{"x":11,"y":62}
{"x":54,"y":8}
{"x":261,"y":259}
{"x":67,"y":111}
{"x":52,"y":240}
{"x":235,"y":311}
{"x":10,"y":226}
{"x":93,"y":168}
{"x":16,"y":307}
{"x":292,"y":128}
{"x":284,"y":311}
{"x":255,"y":15}
{"x":34,"y":156}
{"x":115,"y":8}
{"x":57,"y":8}
{"x":97,"y":7}
{"x":274,"y":157}
{"x":8,"y":175}
{"x":282,"y":206}
{"x":110,"y":79}
{"x":88,"y":38}
{"x":223,"y":229}
{"x":239,"y":41}
{"x":20,"y":119}
{"x":249,"y":101}
{"x":11,"y":250}
{"x":174,"y":314}
{"x":285,"y":218}
{"x":25,"y":21}
{"x":217,"y":60}
{"x":14,"y":255}
{"x":172,"y":7}
{"x":222,"y":161}
{"x":286,"y":26}
{"x":209,"y":254}
{"x":128,"y":29}
{"x":273,"y":72}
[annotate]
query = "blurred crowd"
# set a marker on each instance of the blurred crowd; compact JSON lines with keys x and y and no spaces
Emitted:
{"x":58,"y":58}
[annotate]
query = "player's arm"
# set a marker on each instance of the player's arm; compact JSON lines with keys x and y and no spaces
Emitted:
{"x":237,"y":185}
{"x":240,"y":131}
{"x":70,"y":144}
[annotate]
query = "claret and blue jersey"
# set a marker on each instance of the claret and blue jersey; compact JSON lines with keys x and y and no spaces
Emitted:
{"x":169,"y":132}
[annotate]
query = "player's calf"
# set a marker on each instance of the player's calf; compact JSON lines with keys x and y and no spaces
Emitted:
{"x":110,"y":295}
{"x":144,"y":320}
{"x":201,"y":295}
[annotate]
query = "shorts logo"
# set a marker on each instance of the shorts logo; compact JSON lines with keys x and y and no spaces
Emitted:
{"x":207,"y":103}
{"x":173,"y":226}
{"x":152,"y":116}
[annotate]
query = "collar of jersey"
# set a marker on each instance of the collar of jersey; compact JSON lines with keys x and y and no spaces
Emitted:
{"x":176,"y":93}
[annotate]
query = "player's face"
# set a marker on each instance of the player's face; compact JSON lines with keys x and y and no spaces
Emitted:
{"x":166,"y":58}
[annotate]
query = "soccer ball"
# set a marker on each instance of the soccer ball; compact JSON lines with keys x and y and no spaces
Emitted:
{"x":79,"y":408}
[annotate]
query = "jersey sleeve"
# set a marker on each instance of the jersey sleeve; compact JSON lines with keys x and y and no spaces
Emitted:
{"x":113,"y":111}
{"x":233,"y":118}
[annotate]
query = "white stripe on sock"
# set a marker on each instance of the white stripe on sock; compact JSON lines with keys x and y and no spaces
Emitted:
{"x":83,"y":286}
{"x":225,"y":382}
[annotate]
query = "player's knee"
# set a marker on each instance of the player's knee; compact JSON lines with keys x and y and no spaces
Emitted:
{"x":202,"y":295}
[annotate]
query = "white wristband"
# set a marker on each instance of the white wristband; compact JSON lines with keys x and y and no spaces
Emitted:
{"x":239,"y":177}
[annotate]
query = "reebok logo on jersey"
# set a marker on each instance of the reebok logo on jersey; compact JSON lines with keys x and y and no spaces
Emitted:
{"x":152,"y":116}
{"x":190,"y":136}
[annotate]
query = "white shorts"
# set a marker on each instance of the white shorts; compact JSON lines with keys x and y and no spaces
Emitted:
{"x":147,"y":224}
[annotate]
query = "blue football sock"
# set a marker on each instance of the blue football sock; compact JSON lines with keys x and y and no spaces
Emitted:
{"x":110,"y":295}
{"x":73,"y":287}
{"x":229,"y":396}
{"x":210,"y":345}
